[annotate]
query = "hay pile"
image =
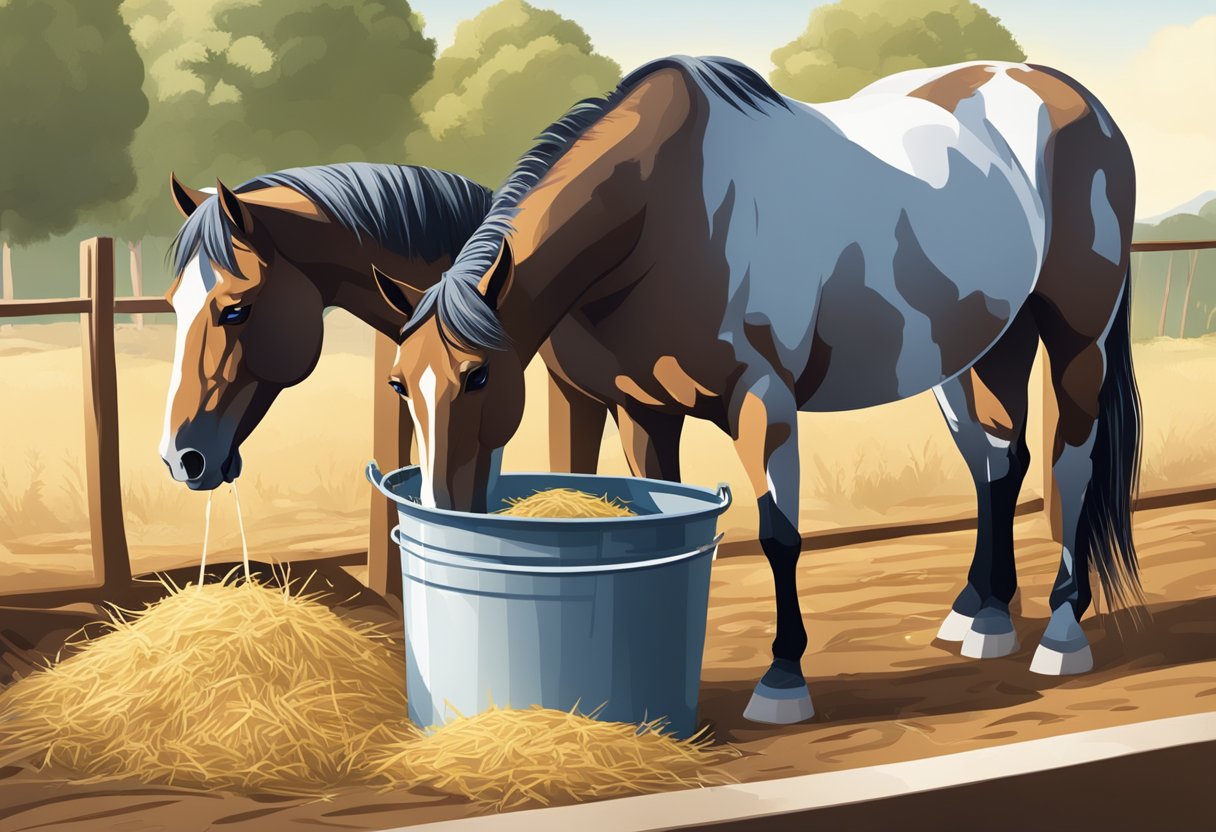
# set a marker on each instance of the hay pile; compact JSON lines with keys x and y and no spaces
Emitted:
{"x":567,"y":503}
{"x":249,"y":688}
{"x":240,"y":687}
{"x":507,"y":759}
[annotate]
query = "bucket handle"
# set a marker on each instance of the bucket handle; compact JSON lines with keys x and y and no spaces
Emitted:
{"x":724,"y":496}
{"x":376,"y":478}
{"x":584,"y":569}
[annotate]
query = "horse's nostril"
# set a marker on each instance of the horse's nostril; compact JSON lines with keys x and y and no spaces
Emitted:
{"x":193,"y":464}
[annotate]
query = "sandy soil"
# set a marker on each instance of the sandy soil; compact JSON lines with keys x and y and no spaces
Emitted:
{"x":884,"y":689}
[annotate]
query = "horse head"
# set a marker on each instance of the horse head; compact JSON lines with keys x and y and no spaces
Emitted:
{"x":249,"y":324}
{"x":462,"y":379}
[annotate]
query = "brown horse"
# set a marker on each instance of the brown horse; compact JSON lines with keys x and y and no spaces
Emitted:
{"x":698,"y":245}
{"x":257,"y":266}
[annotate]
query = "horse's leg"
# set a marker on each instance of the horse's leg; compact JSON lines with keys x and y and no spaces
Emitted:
{"x":766,"y":439}
{"x":1094,"y":462}
{"x":576,"y":427}
{"x":986,"y":410}
{"x":651,"y":440}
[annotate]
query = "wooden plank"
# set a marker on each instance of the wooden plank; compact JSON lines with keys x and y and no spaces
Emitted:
{"x":59,"y":596}
{"x":111,"y":566}
{"x":75,"y":306}
{"x":854,"y":535}
{"x":392,"y":433}
{"x":1172,"y":245}
{"x":146,"y":303}
{"x":1007,"y":786}
{"x":43,"y":306}
{"x":1173,"y":497}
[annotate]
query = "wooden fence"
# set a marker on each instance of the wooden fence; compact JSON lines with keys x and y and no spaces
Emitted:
{"x":112,"y":574}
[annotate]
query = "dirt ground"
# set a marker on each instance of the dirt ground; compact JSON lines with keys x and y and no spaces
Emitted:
{"x":884,"y":690}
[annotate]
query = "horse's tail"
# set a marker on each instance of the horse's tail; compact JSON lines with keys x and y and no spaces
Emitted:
{"x":1106,"y":519}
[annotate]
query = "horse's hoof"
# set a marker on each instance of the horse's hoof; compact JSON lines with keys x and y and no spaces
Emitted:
{"x":1064,"y":650}
{"x":781,"y":697}
{"x":991,"y":635}
{"x":955,"y":627}
{"x":779,"y":706}
{"x":989,"y":645}
{"x":1051,"y":662}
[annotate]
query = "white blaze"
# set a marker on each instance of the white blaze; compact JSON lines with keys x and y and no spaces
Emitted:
{"x":189,"y":301}
{"x":426,"y":444}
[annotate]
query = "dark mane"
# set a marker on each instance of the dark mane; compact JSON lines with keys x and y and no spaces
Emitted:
{"x":722,"y":78}
{"x":415,"y":212}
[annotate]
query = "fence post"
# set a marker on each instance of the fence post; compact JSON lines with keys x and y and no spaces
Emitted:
{"x":111,"y":565}
{"x":136,"y":252}
{"x":392,"y":433}
{"x":1051,"y":415}
{"x":6,"y":277}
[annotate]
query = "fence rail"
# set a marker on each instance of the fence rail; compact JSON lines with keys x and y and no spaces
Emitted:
{"x":112,"y":577}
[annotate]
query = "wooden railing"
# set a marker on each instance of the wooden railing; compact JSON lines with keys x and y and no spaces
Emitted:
{"x":97,"y":306}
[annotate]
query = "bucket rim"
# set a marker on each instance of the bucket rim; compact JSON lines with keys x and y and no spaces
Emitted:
{"x":722,"y":493}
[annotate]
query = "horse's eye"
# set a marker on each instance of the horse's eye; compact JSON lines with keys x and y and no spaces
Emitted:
{"x":234,"y":315}
{"x":397,"y":386}
{"x":476,"y":379}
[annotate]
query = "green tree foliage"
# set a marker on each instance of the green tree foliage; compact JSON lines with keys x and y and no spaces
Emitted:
{"x":851,"y":43}
{"x":241,"y":88}
{"x":70,"y":101}
{"x":510,"y":72}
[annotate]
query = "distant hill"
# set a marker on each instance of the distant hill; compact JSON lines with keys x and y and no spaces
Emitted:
{"x":1191,"y":206}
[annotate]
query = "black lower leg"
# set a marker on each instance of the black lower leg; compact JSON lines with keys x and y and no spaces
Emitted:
{"x":781,"y":543}
{"x":1072,"y":579}
{"x":993,"y":573}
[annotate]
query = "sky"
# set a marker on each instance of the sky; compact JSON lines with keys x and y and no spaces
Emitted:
{"x":1152,"y":63}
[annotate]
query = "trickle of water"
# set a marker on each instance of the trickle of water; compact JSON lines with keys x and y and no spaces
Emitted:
{"x":241,"y":524}
{"x":202,"y":567}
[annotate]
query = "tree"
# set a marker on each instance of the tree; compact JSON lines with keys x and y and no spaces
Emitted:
{"x":70,"y":101}
{"x":238,"y":89}
{"x":851,"y":43}
{"x":509,"y":73}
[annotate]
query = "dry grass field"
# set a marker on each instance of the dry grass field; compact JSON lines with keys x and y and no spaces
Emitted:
{"x":303,"y":488}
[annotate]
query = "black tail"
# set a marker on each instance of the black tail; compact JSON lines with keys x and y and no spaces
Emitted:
{"x":1105,"y":538}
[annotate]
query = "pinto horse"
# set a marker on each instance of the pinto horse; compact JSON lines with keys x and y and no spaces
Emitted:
{"x":256,"y":267}
{"x":696,"y":244}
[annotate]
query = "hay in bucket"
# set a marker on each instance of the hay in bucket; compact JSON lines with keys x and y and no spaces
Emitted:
{"x":251,"y":688}
{"x":566,"y":503}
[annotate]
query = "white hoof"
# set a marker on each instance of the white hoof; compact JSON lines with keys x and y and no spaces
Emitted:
{"x":989,"y":645}
{"x":779,"y":706}
{"x":1051,"y":662}
{"x":955,"y":627}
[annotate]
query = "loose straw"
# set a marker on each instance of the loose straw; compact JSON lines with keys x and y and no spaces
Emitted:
{"x":241,"y":523}
{"x":202,"y":566}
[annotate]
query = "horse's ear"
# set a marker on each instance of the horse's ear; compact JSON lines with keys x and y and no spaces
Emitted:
{"x":497,"y":281}
{"x":185,"y":198}
{"x":392,"y":292}
{"x":235,"y":210}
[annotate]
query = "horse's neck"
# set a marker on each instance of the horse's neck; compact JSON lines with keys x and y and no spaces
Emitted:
{"x":343,"y":275}
{"x":584,"y":218}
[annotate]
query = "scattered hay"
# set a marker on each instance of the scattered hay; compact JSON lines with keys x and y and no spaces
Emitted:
{"x":567,"y":503}
{"x":241,"y":687}
{"x":249,"y":688}
{"x":506,"y":759}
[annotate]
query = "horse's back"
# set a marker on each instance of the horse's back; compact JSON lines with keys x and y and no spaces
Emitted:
{"x":893,"y":237}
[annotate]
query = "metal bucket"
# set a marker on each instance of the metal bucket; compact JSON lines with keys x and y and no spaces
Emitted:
{"x":516,"y":611}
